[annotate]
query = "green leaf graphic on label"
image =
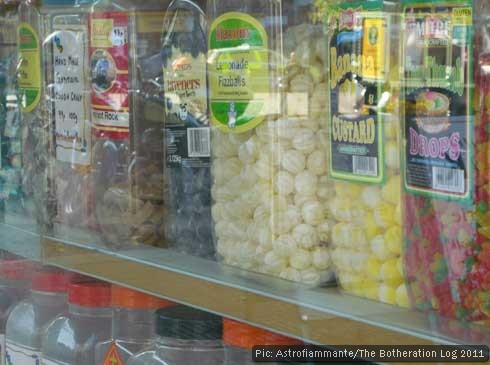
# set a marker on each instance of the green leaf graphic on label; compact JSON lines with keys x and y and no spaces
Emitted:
{"x":238,"y":72}
{"x":30,"y":68}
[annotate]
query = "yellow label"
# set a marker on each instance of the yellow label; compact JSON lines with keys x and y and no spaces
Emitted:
{"x":373,"y":46}
{"x":101,"y":33}
{"x":29,"y":73}
{"x":462,"y":16}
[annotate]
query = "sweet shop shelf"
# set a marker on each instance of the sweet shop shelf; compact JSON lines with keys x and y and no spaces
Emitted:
{"x":322,"y":315}
{"x":14,"y":238}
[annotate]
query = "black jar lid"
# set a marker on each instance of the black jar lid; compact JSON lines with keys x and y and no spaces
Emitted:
{"x":185,"y":323}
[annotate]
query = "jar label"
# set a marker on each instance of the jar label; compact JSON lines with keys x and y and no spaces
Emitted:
{"x":73,"y":126}
{"x":358,"y":72}
{"x":109,"y":67}
{"x":16,"y":355}
{"x":239,"y":75}
{"x":29,"y":73}
{"x":186,"y":90}
{"x":437,"y":69}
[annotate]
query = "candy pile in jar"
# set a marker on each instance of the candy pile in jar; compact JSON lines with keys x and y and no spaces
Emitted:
{"x":366,"y":237}
{"x":447,"y":253}
{"x":270,"y":184}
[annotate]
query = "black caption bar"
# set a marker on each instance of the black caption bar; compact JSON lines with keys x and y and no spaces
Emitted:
{"x":402,"y":353}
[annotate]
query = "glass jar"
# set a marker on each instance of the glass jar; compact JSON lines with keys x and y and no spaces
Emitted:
{"x":184,"y":336}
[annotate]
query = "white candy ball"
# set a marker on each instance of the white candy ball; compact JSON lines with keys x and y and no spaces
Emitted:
{"x":287,"y":128}
{"x":300,"y":259}
{"x":322,"y":139}
{"x":274,"y":263}
{"x":304,"y":141}
{"x":306,"y":236}
{"x":306,"y":183}
{"x":293,"y":161}
{"x":264,"y":168}
{"x":265,"y":131}
{"x":371,"y":196}
{"x":313,"y":213}
{"x":317,"y":162}
{"x":285,"y":245}
{"x":299,"y":200}
{"x":321,"y":258}
{"x":290,"y":274}
{"x":311,"y":277}
{"x":264,"y":236}
{"x":262,"y":213}
{"x":285,"y":183}
{"x":323,"y":231}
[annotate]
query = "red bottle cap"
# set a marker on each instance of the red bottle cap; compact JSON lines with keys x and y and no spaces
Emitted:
{"x":244,"y":336}
{"x":17,"y":270}
{"x":94,"y":294}
{"x":132,"y":299}
{"x":51,"y":281}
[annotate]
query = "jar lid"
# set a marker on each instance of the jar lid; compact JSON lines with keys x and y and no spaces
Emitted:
{"x":17,"y":270}
{"x":51,"y":281}
{"x":184,"y":323}
{"x":94,"y":294}
{"x":133,"y":299}
{"x":245,"y":336}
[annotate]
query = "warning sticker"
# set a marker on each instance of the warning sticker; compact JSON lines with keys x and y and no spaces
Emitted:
{"x":113,"y":357}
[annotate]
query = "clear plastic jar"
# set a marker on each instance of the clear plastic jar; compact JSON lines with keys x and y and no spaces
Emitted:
{"x":29,"y":318}
{"x":270,"y":137}
{"x":127,"y":121}
{"x":133,"y":324}
{"x":14,"y":287}
{"x":70,"y":339}
{"x":188,"y":136}
{"x":240,"y":338}
{"x":184,"y":336}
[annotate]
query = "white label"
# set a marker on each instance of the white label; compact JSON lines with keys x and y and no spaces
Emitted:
{"x":16,"y":355}
{"x":73,"y":130}
{"x":2,"y":349}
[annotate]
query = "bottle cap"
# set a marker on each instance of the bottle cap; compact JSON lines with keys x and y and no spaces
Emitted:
{"x":245,"y":336}
{"x":184,"y":323}
{"x":94,"y":294}
{"x":51,"y":281}
{"x":133,"y":299}
{"x":17,"y":270}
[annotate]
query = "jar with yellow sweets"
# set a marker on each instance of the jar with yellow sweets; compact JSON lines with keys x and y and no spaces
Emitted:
{"x":364,"y":145}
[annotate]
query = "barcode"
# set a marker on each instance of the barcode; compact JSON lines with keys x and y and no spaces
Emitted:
{"x":449,"y":180}
{"x":199,"y":142}
{"x":362,"y":165}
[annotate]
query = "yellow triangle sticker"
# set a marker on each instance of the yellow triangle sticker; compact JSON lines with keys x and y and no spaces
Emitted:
{"x":112,"y":357}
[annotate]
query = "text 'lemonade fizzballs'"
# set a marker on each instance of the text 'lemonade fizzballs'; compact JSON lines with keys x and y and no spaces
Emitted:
{"x":364,"y":140}
{"x":15,"y":282}
{"x":70,"y":339}
{"x":270,"y":173}
{"x":447,"y":198}
{"x":184,"y":336}
{"x":28,"y":320}
{"x":240,"y":338}
{"x":188,"y":134}
{"x":133,"y":325}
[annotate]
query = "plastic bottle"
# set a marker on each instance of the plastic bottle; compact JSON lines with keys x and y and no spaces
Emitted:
{"x":70,"y":339}
{"x":133,"y":325}
{"x":188,"y":134}
{"x":29,"y":318}
{"x":239,"y":339}
{"x":184,"y":336}
{"x":15,"y":282}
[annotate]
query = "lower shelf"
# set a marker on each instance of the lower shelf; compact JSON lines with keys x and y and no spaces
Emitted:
{"x":320,"y":316}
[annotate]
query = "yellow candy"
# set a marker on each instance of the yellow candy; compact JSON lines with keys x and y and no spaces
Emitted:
{"x":373,"y":268}
{"x":402,"y":296}
{"x":371,"y":228}
{"x":398,"y":214}
{"x":380,"y":248}
{"x":341,"y":209}
{"x":348,"y":190}
{"x":399,"y":265}
{"x":390,"y":273}
{"x":391,"y":192}
{"x":371,"y":290}
{"x":384,"y":215}
{"x":338,"y":234}
{"x":387,"y":294}
{"x":393,"y":238}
